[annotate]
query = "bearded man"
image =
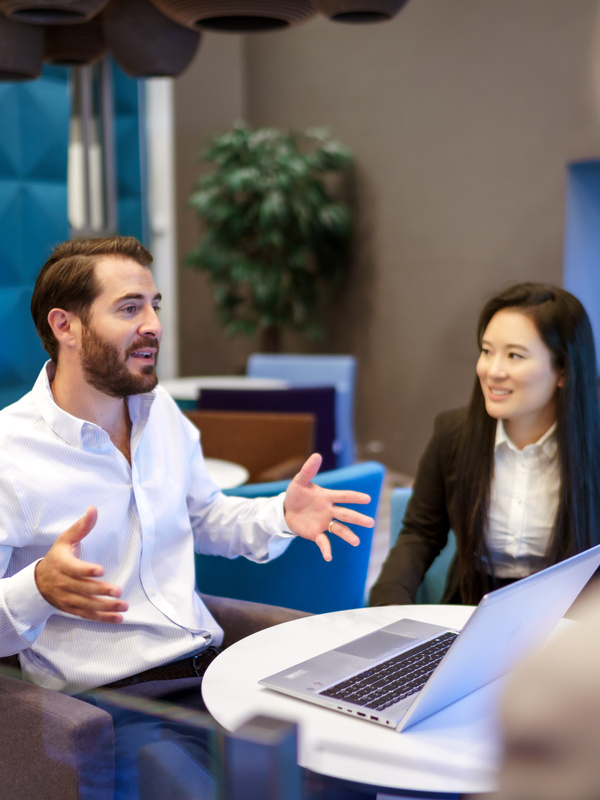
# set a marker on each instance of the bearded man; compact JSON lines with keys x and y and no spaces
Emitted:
{"x":105,"y":495}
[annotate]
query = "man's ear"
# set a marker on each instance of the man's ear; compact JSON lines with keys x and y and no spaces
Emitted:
{"x":65,"y":326}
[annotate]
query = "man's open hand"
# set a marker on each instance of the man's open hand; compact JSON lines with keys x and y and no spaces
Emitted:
{"x":310,"y":509}
{"x":72,"y":585}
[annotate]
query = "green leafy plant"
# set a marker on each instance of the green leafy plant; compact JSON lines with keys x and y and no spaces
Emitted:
{"x":275,"y":238}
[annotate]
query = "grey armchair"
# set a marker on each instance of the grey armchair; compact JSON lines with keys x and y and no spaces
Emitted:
{"x":57,"y":747}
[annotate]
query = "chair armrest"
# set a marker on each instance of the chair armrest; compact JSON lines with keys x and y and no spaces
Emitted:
{"x":240,"y":618}
{"x":53,"y":746}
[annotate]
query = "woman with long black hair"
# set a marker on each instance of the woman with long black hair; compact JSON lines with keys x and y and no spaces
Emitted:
{"x":515,"y":475}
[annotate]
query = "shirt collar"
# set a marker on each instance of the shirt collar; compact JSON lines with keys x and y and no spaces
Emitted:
{"x":546,"y":444}
{"x":78,"y":432}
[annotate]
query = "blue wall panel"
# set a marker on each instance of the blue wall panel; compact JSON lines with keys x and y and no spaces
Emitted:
{"x":582,"y":240}
{"x":130,"y":156}
{"x":34,"y":137}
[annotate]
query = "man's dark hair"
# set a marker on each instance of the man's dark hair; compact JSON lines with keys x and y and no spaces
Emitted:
{"x":68,"y":281}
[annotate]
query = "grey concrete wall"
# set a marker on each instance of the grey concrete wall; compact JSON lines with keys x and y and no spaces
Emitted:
{"x":462,"y":116}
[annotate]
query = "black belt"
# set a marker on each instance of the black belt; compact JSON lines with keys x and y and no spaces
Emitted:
{"x":191,"y":667}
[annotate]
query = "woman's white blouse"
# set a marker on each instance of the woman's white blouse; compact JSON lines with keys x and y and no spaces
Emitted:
{"x":523,"y":503}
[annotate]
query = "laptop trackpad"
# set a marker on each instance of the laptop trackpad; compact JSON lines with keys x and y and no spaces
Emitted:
{"x":375,"y":645}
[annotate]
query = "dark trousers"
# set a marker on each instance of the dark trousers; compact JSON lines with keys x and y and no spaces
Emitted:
{"x":148,"y":736}
{"x":157,"y":757}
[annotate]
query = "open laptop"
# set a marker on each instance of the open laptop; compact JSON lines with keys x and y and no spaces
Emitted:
{"x":436,"y":665}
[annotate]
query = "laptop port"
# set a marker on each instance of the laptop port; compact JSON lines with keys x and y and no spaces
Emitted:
{"x":360,"y":714}
{"x":375,"y":718}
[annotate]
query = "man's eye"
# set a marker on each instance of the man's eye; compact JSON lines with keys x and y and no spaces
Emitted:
{"x":515,"y":355}
{"x":156,"y":308}
{"x":130,"y":309}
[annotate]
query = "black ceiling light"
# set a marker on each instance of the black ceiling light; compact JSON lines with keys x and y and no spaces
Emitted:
{"x":21,"y":51}
{"x":359,"y":11}
{"x":51,"y":12}
{"x":146,"y":43}
{"x":237,"y":16}
{"x":74,"y":45}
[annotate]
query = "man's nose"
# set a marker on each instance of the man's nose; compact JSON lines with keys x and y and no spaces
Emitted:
{"x":151,"y":325}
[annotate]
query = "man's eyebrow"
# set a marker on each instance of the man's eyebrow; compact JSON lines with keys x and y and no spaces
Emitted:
{"x":136,"y":296}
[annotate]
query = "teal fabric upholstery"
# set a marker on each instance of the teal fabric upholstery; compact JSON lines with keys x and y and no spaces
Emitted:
{"x":131,"y":162}
{"x":34,"y":135}
{"x":317,"y":370}
{"x":300,"y":578}
{"x":432,"y":586}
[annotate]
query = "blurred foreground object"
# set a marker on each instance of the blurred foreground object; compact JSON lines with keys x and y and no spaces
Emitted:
{"x":551,"y":716}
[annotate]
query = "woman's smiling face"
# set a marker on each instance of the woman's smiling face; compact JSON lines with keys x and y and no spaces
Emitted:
{"x":518,"y":379}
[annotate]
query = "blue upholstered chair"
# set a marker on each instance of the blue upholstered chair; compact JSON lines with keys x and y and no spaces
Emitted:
{"x":300,"y":578}
{"x":317,"y":370}
{"x":432,"y":586}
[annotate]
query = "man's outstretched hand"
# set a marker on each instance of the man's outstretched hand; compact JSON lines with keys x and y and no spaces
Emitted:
{"x":309,"y":509}
{"x":72,"y":585}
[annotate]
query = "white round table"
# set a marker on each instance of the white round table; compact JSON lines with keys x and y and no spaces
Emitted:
{"x":190,"y":388}
{"x":455,"y":750}
{"x":226,"y":474}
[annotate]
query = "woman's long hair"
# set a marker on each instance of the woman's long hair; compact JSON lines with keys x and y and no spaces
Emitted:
{"x":565,"y":329}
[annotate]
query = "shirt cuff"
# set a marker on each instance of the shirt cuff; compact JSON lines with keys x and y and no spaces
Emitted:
{"x":279,"y":542}
{"x":24,"y":602}
{"x":285,"y":532}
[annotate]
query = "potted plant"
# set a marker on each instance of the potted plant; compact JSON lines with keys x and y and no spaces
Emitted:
{"x":275,"y":238}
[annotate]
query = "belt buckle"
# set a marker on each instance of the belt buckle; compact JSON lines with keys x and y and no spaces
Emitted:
{"x":201,"y":661}
{"x":196,"y":664}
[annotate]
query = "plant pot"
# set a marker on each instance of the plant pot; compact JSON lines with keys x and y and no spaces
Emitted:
{"x":51,"y":12}
{"x":21,"y":51}
{"x":146,"y":43}
{"x":359,"y":11}
{"x":237,"y":16}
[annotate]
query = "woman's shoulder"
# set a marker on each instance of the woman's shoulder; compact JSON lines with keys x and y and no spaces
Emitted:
{"x":450,"y":423}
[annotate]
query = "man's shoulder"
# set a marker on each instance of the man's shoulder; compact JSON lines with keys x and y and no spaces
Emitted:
{"x":19,"y":424}
{"x":22,"y":412}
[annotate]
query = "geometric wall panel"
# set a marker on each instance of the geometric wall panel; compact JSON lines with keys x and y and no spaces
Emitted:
{"x":132,"y":209}
{"x":581,"y":271}
{"x":34,"y":138}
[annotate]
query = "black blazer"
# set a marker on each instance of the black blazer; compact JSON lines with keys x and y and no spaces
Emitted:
{"x":429,"y":517}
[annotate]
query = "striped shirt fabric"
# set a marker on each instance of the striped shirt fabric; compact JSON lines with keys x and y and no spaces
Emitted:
{"x":152,"y":515}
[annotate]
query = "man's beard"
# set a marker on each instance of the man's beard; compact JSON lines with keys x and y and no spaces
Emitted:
{"x":106,"y":370}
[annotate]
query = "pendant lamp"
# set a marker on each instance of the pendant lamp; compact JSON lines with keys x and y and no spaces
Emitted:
{"x":74,"y":45}
{"x":21,"y":51}
{"x":359,"y":11}
{"x":237,"y":16}
{"x":51,"y":12}
{"x":146,"y":43}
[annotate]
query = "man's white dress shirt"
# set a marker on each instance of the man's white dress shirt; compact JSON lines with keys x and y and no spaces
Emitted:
{"x":152,"y":515}
{"x":523,"y":503}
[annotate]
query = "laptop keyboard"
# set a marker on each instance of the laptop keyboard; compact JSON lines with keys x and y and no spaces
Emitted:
{"x":393,"y":680}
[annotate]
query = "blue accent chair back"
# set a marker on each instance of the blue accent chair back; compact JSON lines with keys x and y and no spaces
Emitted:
{"x":432,"y":586}
{"x":317,"y":370}
{"x":300,"y":578}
